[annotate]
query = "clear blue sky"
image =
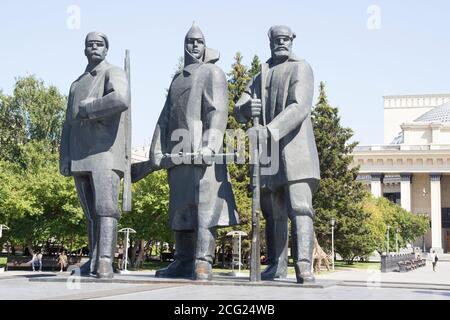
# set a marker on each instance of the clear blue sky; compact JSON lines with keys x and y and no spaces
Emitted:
{"x":408,"y":54}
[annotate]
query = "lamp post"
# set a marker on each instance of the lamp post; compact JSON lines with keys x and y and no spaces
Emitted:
{"x":387,"y":246}
{"x":423,"y":243}
{"x":127,"y":232}
{"x":3,"y":227}
{"x":332,"y":239}
{"x":396,"y":239}
{"x":240,"y":234}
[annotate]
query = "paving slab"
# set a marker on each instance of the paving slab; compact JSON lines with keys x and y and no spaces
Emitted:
{"x":218,"y":280}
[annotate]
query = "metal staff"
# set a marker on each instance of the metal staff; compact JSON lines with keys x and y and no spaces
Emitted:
{"x":126,"y":197}
{"x":255,"y":260}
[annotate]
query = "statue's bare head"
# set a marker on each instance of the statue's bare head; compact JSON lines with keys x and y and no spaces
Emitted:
{"x":281,"y":38}
{"x":194,"y":42}
{"x":96,"y":47}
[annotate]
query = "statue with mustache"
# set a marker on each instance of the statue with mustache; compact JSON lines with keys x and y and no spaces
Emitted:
{"x":281,"y":96}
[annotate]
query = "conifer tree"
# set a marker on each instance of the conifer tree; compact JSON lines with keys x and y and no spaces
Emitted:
{"x":238,"y":78}
{"x":339,"y":195}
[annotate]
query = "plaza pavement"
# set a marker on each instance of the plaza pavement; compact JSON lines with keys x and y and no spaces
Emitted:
{"x":354,"y":284}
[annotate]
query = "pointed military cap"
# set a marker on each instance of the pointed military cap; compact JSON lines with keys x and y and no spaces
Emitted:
{"x":195,"y":32}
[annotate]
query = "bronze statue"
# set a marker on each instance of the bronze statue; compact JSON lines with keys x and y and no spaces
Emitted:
{"x":280,"y":96}
{"x":94,"y":149}
{"x":188,"y":135}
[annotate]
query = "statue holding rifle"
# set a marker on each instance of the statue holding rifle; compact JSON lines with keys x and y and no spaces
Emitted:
{"x":187,"y":143}
{"x":280,"y":98}
{"x":95,"y":150}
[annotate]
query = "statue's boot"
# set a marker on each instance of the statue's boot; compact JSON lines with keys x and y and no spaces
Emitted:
{"x":302,"y":247}
{"x":106,"y":247}
{"x":90,"y":267}
{"x":86,"y":200}
{"x":85,"y":268}
{"x":204,"y":254}
{"x":184,"y":257}
{"x":277,"y":244}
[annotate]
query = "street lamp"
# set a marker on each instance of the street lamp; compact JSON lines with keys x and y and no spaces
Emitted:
{"x":127,"y":232}
{"x":387,"y":248}
{"x":239,"y":234}
{"x":332,"y":239}
{"x":396,"y":239}
{"x":3,"y":227}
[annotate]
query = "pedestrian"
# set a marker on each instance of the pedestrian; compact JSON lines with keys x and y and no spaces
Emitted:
{"x":120,"y":258}
{"x":62,"y":261}
{"x":34,"y":260}
{"x":434,"y":259}
{"x":39,"y":260}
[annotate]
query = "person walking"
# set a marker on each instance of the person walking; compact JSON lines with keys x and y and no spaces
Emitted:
{"x":34,"y":260}
{"x":39,"y":260}
{"x":434,"y":259}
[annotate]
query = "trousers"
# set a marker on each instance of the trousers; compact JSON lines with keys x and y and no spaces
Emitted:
{"x":291,"y":201}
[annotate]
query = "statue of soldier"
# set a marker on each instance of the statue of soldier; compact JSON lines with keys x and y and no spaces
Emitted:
{"x":93,"y":147}
{"x":281,"y":96}
{"x":201,"y":198}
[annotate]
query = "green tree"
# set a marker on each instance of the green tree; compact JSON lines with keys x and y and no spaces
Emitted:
{"x":37,"y":202}
{"x":42,"y":108}
{"x":12,"y":129}
{"x":41,"y":204}
{"x":149,"y":216}
{"x":409,"y":226}
{"x":339,"y":195}
{"x":34,"y":112}
{"x":255,"y":66}
{"x":238,"y":78}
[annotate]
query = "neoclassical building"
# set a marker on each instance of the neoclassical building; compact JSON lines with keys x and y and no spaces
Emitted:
{"x":412,"y":167}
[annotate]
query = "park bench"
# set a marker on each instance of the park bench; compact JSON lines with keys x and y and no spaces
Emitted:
{"x":424,"y":262}
{"x":402,"y":266}
{"x":48,"y":263}
{"x":409,"y":265}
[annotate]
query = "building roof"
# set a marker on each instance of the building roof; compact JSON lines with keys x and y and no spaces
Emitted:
{"x":437,"y":114}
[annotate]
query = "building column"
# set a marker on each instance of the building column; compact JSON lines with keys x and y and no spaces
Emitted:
{"x":405,"y":190}
{"x":436,"y":212}
{"x":376,"y":184}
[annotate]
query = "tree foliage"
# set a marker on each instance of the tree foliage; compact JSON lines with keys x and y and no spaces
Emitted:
{"x":37,"y":203}
{"x":361,"y":220}
{"x":238,"y":78}
{"x":339,"y":195}
{"x":407,"y":226}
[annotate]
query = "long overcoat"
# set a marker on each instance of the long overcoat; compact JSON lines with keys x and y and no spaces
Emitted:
{"x":96,"y":142}
{"x":287,"y":95}
{"x":195,"y":116}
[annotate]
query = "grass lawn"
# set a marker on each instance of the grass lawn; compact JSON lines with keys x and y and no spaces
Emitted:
{"x":3,"y":262}
{"x":358,"y":265}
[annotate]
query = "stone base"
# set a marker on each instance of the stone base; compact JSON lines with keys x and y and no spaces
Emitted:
{"x":143,"y":278}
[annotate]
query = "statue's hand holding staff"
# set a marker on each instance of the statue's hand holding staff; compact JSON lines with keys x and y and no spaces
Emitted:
{"x":259,"y":130}
{"x":256,"y":106}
